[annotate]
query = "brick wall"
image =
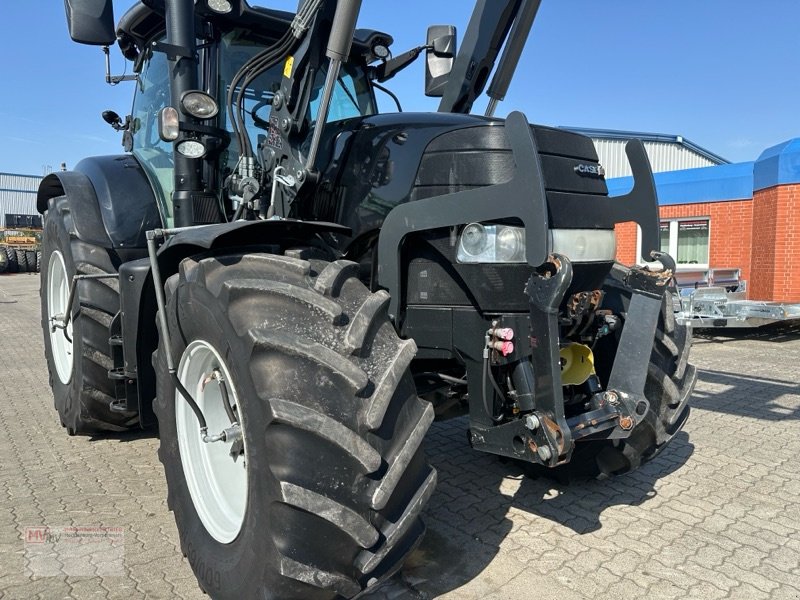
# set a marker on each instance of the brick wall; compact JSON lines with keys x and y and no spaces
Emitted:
{"x":759,"y":234}
{"x":626,"y":242}
{"x":776,"y":253}
{"x":730,"y":228}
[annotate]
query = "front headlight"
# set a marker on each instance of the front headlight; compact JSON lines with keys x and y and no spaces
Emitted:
{"x":480,"y":243}
{"x":584,"y":245}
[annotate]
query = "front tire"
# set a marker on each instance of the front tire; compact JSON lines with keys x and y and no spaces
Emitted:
{"x":668,"y":387}
{"x":78,"y":359}
{"x":335,"y":474}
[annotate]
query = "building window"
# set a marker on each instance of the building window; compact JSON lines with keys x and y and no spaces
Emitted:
{"x":686,"y":240}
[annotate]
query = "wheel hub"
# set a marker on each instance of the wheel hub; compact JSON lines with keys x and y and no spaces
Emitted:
{"x":60,"y":337}
{"x":216,"y":479}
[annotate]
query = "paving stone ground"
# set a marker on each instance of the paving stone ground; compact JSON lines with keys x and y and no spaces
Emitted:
{"x":717,"y":515}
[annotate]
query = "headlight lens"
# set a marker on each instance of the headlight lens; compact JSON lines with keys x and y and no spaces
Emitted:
{"x":480,"y":243}
{"x":584,"y":245}
{"x":474,"y":239}
{"x":510,"y":244}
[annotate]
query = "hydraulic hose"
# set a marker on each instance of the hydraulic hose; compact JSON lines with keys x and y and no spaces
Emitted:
{"x":496,"y":389}
{"x":162,"y":319}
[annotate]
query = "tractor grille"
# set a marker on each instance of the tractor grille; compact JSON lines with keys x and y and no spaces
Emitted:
{"x":476,"y":157}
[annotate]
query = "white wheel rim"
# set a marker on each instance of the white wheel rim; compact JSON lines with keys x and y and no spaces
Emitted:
{"x":217,"y":484}
{"x":57,"y":296}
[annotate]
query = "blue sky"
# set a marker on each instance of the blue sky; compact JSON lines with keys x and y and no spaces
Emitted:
{"x":719,"y":72}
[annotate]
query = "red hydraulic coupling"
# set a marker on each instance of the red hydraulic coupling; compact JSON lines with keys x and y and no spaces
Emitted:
{"x":503,"y":347}
{"x":499,"y":339}
{"x":503,"y":333}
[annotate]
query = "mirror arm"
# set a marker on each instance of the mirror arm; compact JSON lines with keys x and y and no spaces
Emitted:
{"x":393,"y":66}
{"x":115,"y":79}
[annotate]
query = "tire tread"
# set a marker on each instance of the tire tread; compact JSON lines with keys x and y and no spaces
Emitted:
{"x":333,"y":367}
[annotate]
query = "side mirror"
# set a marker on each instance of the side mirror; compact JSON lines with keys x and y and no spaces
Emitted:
{"x":439,"y":57}
{"x":91,"y":21}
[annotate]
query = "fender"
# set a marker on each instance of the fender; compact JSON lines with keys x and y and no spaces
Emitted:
{"x":110,"y":199}
{"x":138,"y":310}
{"x":240,"y":234}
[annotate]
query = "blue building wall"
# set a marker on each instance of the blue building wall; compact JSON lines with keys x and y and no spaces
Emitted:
{"x":777,"y":165}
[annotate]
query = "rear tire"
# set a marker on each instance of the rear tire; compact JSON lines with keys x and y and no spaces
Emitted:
{"x":3,"y":260}
{"x":336,"y":477}
{"x":78,"y":369}
{"x":669,"y":385}
{"x":22,"y":261}
{"x":30,"y":258}
{"x":13,"y":265}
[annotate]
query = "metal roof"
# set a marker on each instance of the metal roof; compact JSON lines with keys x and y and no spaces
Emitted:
{"x":17,"y":195}
{"x":666,"y":152}
{"x":615,"y":134}
{"x":14,"y":182}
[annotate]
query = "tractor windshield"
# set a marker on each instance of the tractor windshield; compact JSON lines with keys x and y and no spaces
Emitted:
{"x":352,"y":96}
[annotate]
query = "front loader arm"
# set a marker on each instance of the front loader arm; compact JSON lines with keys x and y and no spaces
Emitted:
{"x":327,"y":41}
{"x":487,"y":30}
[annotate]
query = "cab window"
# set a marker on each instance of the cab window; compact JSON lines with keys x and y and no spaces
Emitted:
{"x":154,"y":154}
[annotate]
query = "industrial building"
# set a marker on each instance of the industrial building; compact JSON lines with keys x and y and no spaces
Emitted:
{"x":742,"y":216}
{"x":18,"y":201}
{"x":666,"y":152}
{"x":715,"y":215}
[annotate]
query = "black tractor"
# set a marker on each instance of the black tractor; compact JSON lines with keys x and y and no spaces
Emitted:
{"x":293,"y":286}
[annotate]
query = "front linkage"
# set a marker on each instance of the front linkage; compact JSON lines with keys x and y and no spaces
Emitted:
{"x":546,"y":435}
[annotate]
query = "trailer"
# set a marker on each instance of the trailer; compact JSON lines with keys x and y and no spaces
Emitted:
{"x":718,"y":298}
{"x":716,"y":307}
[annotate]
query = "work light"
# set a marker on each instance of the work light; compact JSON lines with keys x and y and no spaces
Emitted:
{"x":220,"y":6}
{"x":199,"y":104}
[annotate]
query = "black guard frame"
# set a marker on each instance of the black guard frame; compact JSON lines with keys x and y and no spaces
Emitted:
{"x":522,"y":197}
